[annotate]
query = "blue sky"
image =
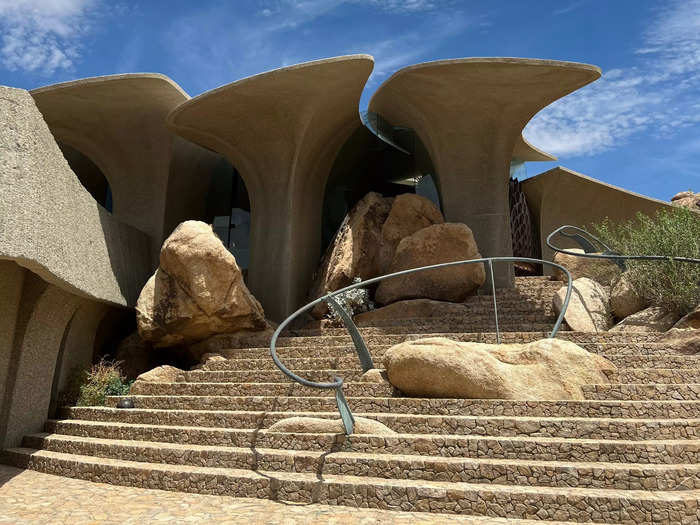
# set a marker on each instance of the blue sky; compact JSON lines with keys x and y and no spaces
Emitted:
{"x":638,"y":127}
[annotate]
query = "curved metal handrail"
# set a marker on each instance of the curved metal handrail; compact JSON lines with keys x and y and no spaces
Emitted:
{"x":608,"y":253}
{"x":360,"y":345}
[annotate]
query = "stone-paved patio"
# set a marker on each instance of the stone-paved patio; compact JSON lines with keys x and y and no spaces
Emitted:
{"x":32,"y":497}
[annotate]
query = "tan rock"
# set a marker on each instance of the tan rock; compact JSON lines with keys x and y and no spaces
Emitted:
{"x":652,"y":319}
{"x":435,"y":244}
{"x":374,"y":375}
{"x":356,"y":250}
{"x":687,"y":199}
{"x":409,"y":213}
{"x":683,"y":341}
{"x":624,"y":301}
{"x":602,"y":271}
{"x":316,"y":425}
{"x":161,"y":374}
{"x":196,"y":292}
{"x":588,"y":306}
{"x":207,"y":359}
{"x":412,"y":309}
{"x":690,"y":321}
{"x":548,"y":369}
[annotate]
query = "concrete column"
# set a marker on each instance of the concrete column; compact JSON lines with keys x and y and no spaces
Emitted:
{"x":470,"y":113}
{"x":282,"y":130}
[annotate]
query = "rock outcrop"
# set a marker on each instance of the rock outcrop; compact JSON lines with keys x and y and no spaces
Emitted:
{"x":687,"y":199}
{"x":435,"y":244}
{"x":602,"y":271}
{"x":548,"y":369}
{"x":652,"y":319}
{"x":409,"y":213}
{"x":197,"y":291}
{"x":356,"y":251}
{"x":317,"y":425}
{"x":690,"y":321}
{"x":624,"y":301}
{"x":588,"y":306}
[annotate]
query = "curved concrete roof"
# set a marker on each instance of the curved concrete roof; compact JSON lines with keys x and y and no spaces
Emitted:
{"x":470,"y":114}
{"x":118,"y":121}
{"x":282,"y":130}
{"x":523,"y":150}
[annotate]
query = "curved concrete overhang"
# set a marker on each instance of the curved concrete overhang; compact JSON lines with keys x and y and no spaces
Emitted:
{"x":562,"y":196}
{"x":118,"y":121}
{"x":525,"y":151}
{"x":282,"y":130}
{"x":470,"y":114}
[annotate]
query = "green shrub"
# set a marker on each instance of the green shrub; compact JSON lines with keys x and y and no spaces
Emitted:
{"x":91,"y":387}
{"x":674,"y":233}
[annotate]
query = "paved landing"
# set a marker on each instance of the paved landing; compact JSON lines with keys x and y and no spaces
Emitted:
{"x":29,"y":497}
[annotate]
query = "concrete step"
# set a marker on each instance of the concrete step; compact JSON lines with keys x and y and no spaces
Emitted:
{"x":541,"y":448}
{"x":350,"y":360}
{"x":391,"y":336}
{"x":474,"y":407}
{"x":623,"y":375}
{"x":571,"y":427}
{"x":506,"y":501}
{"x":429,"y":468}
{"x":258,"y":389}
{"x":678,"y":392}
{"x":378,"y":351}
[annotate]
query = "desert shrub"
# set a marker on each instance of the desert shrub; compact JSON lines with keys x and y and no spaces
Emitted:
{"x":91,"y":387}
{"x":353,"y":301}
{"x":672,"y":285}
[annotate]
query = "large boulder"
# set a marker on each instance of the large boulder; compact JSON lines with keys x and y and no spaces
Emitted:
{"x":409,"y":213}
{"x":317,"y":425}
{"x":602,"y":271}
{"x":690,"y":321}
{"x":624,"y":301}
{"x":548,"y":369}
{"x":356,"y":251}
{"x":588,"y":306}
{"x":197,"y":291}
{"x":412,"y":309}
{"x":652,"y":319}
{"x":686,"y":199}
{"x":439,"y":243}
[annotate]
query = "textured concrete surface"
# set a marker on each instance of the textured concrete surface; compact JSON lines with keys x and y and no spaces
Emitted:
{"x":472,"y":155}
{"x":50,"y":224}
{"x":561,"y":196}
{"x":282,"y":130}
{"x":26,"y":400}
{"x":30,"y":497}
{"x":11,"y":281}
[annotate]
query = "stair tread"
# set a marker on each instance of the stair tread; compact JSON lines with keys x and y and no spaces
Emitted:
{"x":364,"y":455}
{"x":421,"y":485}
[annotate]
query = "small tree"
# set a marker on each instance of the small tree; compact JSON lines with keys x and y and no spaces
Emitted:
{"x":672,"y":285}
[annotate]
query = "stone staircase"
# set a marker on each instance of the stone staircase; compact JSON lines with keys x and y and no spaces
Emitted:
{"x":629,"y":453}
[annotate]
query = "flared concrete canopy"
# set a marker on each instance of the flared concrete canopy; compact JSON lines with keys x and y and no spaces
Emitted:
{"x":282,"y":131}
{"x":118,"y":121}
{"x":470,"y":114}
{"x":523,"y":150}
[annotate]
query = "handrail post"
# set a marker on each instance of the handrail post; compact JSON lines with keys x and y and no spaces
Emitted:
{"x":495,"y":306}
{"x":360,"y":345}
{"x":345,"y":412}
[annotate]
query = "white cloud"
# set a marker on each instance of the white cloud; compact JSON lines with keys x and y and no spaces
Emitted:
{"x":43,"y":35}
{"x":659,"y":94}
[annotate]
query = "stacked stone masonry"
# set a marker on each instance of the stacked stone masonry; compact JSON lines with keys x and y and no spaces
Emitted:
{"x":628,"y":453}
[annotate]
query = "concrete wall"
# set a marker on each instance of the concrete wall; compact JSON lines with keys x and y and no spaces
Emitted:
{"x":51,"y":225}
{"x":561,"y":196}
